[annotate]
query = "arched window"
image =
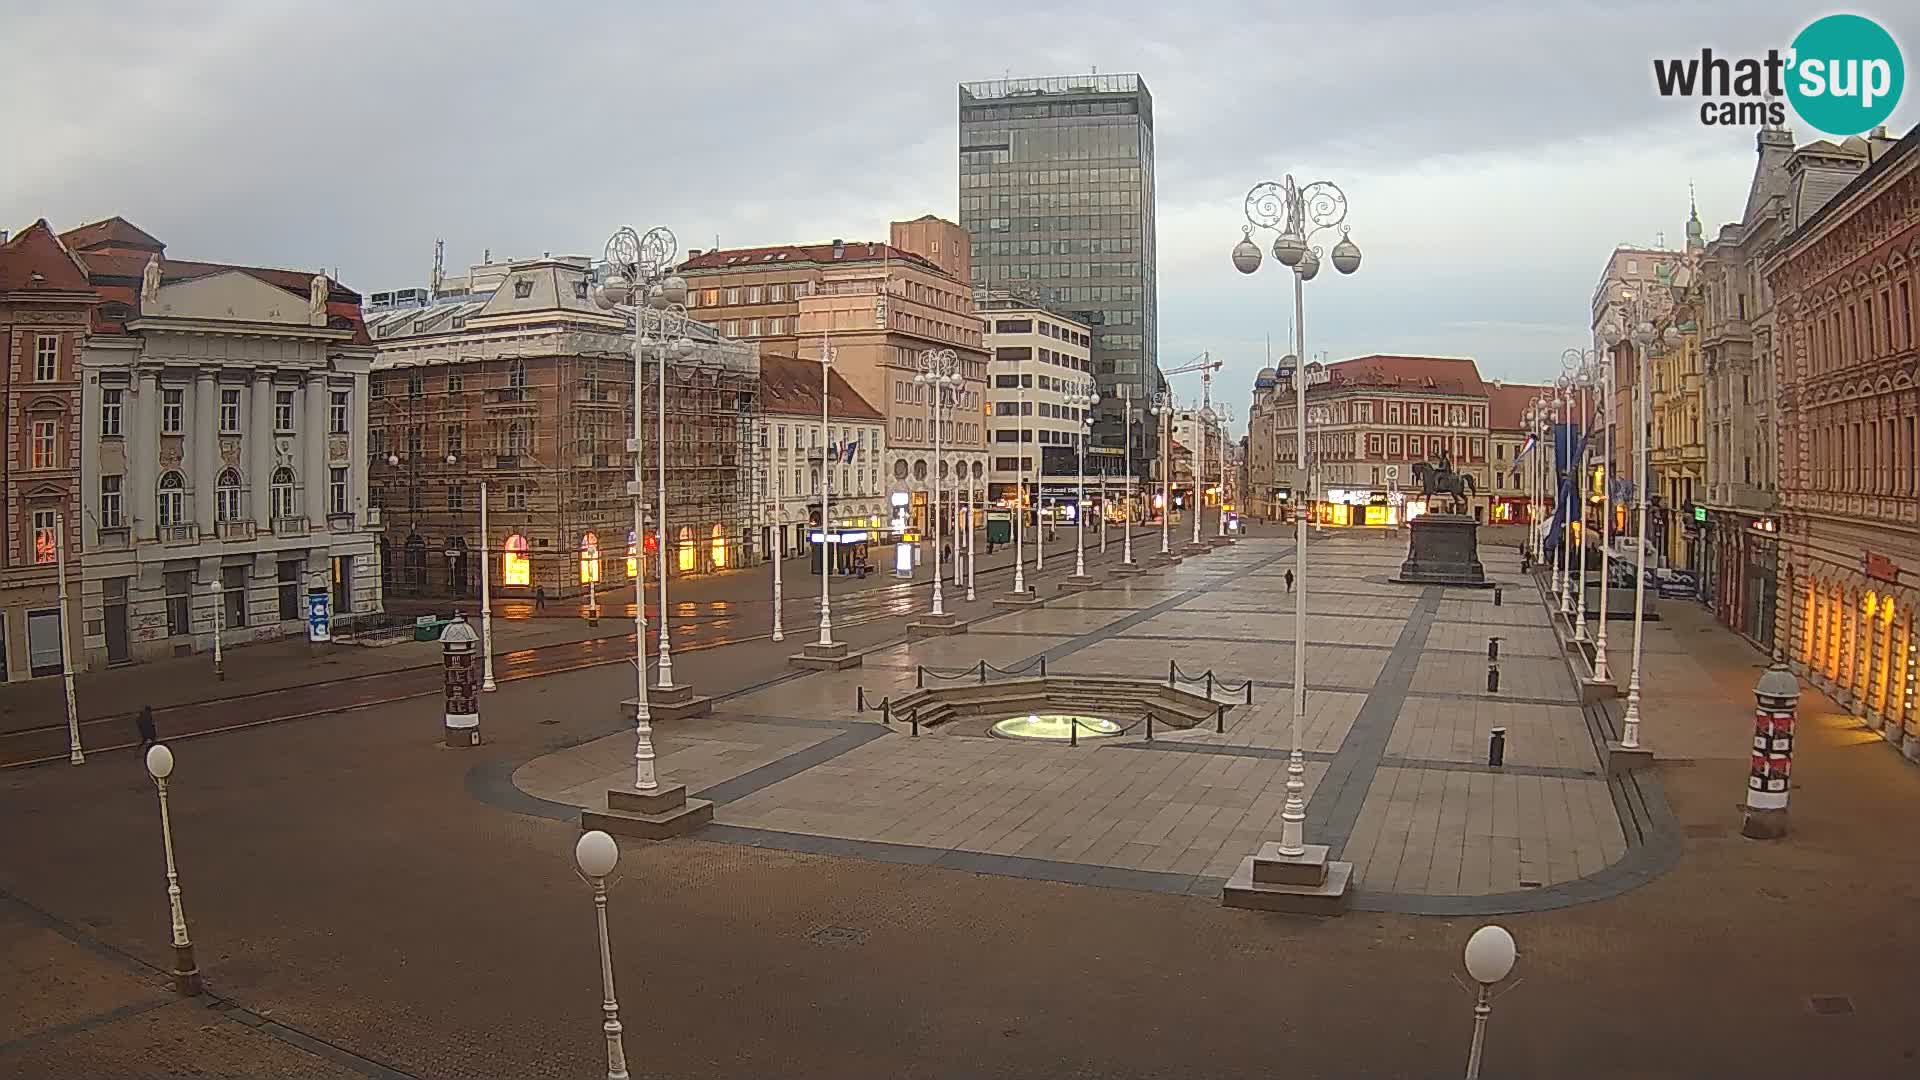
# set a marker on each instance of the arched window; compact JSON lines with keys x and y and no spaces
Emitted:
{"x":173,"y":498}
{"x":514,"y":567}
{"x":589,"y":558}
{"x":281,"y":491}
{"x":226,"y":493}
{"x":717,"y":545}
{"x":686,"y":548}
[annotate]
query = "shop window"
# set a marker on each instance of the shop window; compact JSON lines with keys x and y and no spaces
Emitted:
{"x":589,"y":559}
{"x":515,"y":569}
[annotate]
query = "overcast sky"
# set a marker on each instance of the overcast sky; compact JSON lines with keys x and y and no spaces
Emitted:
{"x":1492,"y":154}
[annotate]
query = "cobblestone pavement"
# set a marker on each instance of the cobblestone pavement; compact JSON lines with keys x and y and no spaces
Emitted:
{"x":1401,"y":728}
{"x":366,"y":904}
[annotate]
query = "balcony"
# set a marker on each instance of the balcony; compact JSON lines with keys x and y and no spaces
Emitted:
{"x":180,"y":534}
{"x":1727,"y":331}
{"x":115,"y":538}
{"x":236,"y":530}
{"x":340,"y":522}
{"x":290,"y":526}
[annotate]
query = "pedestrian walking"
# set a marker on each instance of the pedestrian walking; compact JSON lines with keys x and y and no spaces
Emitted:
{"x":145,"y":725}
{"x":539,"y":598}
{"x":1289,"y":581}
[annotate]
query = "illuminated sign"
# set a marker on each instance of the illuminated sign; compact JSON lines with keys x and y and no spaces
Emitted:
{"x":1764,"y":525}
{"x":1700,"y":514}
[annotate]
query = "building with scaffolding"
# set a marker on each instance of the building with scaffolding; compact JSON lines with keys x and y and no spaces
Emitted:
{"x":514,"y":379}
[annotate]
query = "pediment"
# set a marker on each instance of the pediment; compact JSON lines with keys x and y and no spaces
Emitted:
{"x":229,"y":296}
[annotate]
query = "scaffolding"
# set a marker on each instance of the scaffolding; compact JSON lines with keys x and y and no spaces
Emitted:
{"x":543,"y":415}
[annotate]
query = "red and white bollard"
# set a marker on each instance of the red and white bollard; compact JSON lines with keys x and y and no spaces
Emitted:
{"x":1770,"y":782}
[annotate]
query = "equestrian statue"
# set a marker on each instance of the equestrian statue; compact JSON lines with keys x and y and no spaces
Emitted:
{"x":1438,"y":478}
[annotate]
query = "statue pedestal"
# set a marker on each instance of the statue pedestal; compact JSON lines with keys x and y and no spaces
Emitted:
{"x":1443,"y":549}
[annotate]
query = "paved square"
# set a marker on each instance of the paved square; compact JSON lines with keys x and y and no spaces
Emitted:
{"x":1394,"y":738}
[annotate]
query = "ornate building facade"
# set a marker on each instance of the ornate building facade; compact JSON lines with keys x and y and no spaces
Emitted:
{"x":1739,"y":570}
{"x":517,"y":380}
{"x":44,"y":301}
{"x":225,"y":411}
{"x":1844,"y":285}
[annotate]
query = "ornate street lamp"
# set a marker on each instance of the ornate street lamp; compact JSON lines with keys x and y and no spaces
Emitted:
{"x":1081,"y":398}
{"x":1297,"y":214}
{"x":640,"y":281}
{"x":940,"y":374}
{"x":1160,"y":404}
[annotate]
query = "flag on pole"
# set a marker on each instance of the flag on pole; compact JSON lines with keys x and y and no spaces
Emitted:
{"x":846,"y":457}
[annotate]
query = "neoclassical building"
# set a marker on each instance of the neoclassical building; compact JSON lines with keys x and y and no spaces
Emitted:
{"x":225,"y":411}
{"x":1844,"y":285}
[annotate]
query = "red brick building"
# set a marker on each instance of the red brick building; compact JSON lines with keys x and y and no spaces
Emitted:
{"x":1844,"y":285}
{"x":44,"y":301}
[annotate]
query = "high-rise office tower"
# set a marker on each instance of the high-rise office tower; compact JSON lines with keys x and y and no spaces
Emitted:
{"x":1056,"y":188}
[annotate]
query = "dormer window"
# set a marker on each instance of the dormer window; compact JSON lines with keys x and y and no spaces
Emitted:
{"x":523,"y":288}
{"x":580,"y":290}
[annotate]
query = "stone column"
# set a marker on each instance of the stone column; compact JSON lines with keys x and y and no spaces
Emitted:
{"x":143,"y":455}
{"x":313,"y":440}
{"x":205,"y":446}
{"x":259,"y":450}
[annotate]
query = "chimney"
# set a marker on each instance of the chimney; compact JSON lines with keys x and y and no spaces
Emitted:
{"x":3,"y":236}
{"x":693,"y":253}
{"x":839,"y":248}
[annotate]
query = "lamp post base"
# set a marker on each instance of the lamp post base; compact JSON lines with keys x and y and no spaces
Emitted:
{"x":1017,"y":601}
{"x":654,"y":815}
{"x":1076,"y":582}
{"x":1622,"y":759}
{"x":659,"y":711}
{"x":936,"y":625}
{"x":1309,"y":883}
{"x":1764,"y":824}
{"x":818,"y":657}
{"x":186,"y":973}
{"x":1125,"y":569}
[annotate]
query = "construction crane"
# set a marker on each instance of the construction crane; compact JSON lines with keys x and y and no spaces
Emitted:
{"x":1206,"y":366}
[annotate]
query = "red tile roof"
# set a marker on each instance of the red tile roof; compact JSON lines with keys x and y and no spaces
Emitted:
{"x":114,"y":232}
{"x":36,"y":259}
{"x":860,"y":251}
{"x":1449,"y":374}
{"x":791,"y":387}
{"x":1507,"y":403}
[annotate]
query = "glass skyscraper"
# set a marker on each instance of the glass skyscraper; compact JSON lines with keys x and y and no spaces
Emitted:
{"x":1056,"y":188}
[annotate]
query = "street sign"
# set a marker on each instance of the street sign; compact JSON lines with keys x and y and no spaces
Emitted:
{"x":1393,"y":472}
{"x":319,"y":618}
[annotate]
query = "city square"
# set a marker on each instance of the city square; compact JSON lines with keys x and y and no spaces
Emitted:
{"x":366,"y":901}
{"x":675,"y":541}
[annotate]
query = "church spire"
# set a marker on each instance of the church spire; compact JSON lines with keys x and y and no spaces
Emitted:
{"x":1696,"y":236}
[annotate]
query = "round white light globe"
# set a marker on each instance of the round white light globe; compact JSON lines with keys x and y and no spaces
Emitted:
{"x":1490,"y":954}
{"x":596,"y":854}
{"x":159,"y":761}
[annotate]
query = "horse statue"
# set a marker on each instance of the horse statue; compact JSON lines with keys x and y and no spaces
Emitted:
{"x":1440,"y":479}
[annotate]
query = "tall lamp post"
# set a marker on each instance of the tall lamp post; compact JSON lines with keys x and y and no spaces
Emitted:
{"x":1203,"y":427}
{"x":973,"y":477}
{"x":1126,"y":521}
{"x":219,"y":624}
{"x":1610,"y":336}
{"x":640,"y":279}
{"x":596,"y":854}
{"x":75,"y":756}
{"x":777,"y":520}
{"x":1081,"y":399}
{"x":1563,"y":581}
{"x":1020,"y":493}
{"x":486,"y":599}
{"x":1220,"y":504}
{"x":1533,"y":486}
{"x":1160,"y":404}
{"x":1297,"y":215}
{"x":828,"y":353}
{"x":1490,"y":954}
{"x":1644,"y":339}
{"x":186,"y":973}
{"x":1584,"y":364}
{"x":940,"y":374}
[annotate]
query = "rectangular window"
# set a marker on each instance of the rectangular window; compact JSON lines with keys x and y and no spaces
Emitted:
{"x":233,"y":595}
{"x":229,"y":412}
{"x":46,"y":358}
{"x":179,"y":586}
{"x":44,"y":549}
{"x":337,"y":412}
{"x":337,"y":491}
{"x":753,"y":327}
{"x":110,"y":512}
{"x":283,"y":411}
{"x":456,"y":497}
{"x":289,"y":588}
{"x":456,"y":438}
{"x":776,"y":293}
{"x":733,"y":296}
{"x":753,"y":294}
{"x":456,"y":382}
{"x":172,"y":412}
{"x":776,"y":326}
{"x":110,"y":404}
{"x":46,"y":444}
{"x":516,"y":496}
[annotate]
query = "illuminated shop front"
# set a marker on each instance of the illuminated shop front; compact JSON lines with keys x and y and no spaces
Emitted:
{"x":1362,"y":507}
{"x":1858,"y":640}
{"x":515,"y":568}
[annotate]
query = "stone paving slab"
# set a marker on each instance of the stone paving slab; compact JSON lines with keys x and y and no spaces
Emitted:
{"x":1520,"y":677}
{"x":1537,"y":735}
